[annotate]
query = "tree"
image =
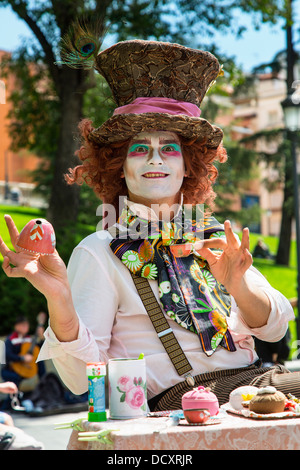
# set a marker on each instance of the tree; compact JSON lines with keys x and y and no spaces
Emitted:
{"x":50,"y":126}
{"x":283,"y":252}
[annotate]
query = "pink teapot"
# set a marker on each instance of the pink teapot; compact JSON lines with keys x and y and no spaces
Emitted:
{"x":200,"y":398}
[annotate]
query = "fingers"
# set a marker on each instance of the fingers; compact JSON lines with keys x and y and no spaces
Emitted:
{"x":248,"y":258}
{"x":221,"y":243}
{"x":245,"y":243}
{"x":13,"y":233}
{"x":230,"y":236}
{"x":217,"y":243}
{"x":210,"y":257}
{"x":9,"y":270}
{"x":12,"y":229}
{"x":233,"y":240}
{"x":4,"y":250}
{"x":8,"y":256}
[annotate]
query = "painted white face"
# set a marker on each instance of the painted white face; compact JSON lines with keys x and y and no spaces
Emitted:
{"x":154,"y":168}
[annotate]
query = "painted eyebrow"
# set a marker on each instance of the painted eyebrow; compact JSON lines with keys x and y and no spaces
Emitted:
{"x":141,"y":141}
{"x":169,"y":141}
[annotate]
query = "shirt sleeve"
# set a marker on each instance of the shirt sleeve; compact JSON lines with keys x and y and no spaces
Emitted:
{"x":281,"y":312}
{"x":96,"y":302}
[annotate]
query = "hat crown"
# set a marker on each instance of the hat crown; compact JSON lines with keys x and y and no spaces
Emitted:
{"x":135,"y":69}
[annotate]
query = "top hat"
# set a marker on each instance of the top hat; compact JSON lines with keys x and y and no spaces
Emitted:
{"x":156,"y":86}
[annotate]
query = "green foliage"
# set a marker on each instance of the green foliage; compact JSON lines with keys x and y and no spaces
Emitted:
{"x":35,"y":103}
{"x":98,"y":102}
{"x":246,"y":87}
{"x":238,"y":170}
{"x":18,"y":297}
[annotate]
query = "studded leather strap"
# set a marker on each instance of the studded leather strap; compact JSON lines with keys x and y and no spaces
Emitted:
{"x":162,"y":327}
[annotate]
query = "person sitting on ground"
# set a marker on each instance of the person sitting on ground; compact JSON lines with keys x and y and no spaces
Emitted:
{"x":16,"y":357}
{"x":261,"y":250}
{"x":13,"y":345}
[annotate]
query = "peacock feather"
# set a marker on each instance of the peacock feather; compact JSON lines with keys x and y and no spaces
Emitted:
{"x":81,"y":44}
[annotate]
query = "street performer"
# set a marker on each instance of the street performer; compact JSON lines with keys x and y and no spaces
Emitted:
{"x":152,"y":163}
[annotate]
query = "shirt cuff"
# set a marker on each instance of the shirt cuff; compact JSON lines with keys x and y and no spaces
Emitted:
{"x":83,"y":348}
{"x":275,"y":328}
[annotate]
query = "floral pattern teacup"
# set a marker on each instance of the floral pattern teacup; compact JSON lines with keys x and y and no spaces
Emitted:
{"x":127,"y":388}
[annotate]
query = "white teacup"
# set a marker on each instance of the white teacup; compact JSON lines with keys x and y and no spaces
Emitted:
{"x":127,"y":388}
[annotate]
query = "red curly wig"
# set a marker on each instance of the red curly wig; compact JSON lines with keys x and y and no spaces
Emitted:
{"x":102,"y":167}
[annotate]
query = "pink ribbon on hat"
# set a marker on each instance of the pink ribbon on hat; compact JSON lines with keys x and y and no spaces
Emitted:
{"x":159,"y":105}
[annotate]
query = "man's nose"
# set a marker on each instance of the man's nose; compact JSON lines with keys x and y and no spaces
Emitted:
{"x":155,"y":157}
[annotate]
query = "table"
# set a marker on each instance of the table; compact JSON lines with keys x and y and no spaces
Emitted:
{"x":231,"y":432}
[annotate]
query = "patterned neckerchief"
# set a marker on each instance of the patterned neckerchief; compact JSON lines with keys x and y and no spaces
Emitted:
{"x":189,"y":293}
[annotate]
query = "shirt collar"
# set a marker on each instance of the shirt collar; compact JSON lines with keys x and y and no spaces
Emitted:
{"x":145,"y":212}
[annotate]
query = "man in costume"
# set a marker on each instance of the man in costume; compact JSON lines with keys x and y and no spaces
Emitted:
{"x":159,"y":153}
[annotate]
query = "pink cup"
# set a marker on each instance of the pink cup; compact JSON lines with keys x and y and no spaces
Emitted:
{"x":199,"y":416}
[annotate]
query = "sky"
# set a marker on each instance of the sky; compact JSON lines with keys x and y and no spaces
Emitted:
{"x":254,"y":48}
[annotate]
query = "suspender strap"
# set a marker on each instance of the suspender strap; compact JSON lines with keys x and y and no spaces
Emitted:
{"x":162,"y":327}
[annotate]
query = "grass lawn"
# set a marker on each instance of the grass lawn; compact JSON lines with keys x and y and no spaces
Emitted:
{"x":280,"y":277}
{"x":21,"y":216}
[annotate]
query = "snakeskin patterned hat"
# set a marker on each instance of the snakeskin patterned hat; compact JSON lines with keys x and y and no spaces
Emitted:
{"x":156,"y":86}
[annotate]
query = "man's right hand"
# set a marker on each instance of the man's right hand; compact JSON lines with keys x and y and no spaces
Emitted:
{"x":47,"y":273}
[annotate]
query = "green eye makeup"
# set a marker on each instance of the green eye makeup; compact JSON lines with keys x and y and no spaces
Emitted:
{"x":137,"y":149}
{"x":171,"y":149}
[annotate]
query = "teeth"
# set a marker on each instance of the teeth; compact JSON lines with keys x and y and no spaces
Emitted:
{"x":154,"y":175}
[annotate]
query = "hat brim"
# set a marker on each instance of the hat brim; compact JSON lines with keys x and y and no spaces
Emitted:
{"x":122,"y":127}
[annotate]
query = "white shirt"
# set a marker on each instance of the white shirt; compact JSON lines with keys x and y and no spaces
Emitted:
{"x":114,"y":323}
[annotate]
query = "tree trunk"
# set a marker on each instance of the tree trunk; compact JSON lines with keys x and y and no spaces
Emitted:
{"x":283,"y":252}
{"x":64,"y":200}
{"x":284,"y":245}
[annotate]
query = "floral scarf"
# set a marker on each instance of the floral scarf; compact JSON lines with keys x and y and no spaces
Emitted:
{"x":188,"y":292}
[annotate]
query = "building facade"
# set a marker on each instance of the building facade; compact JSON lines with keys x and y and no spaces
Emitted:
{"x":16,"y":183}
{"x":256,"y":108}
